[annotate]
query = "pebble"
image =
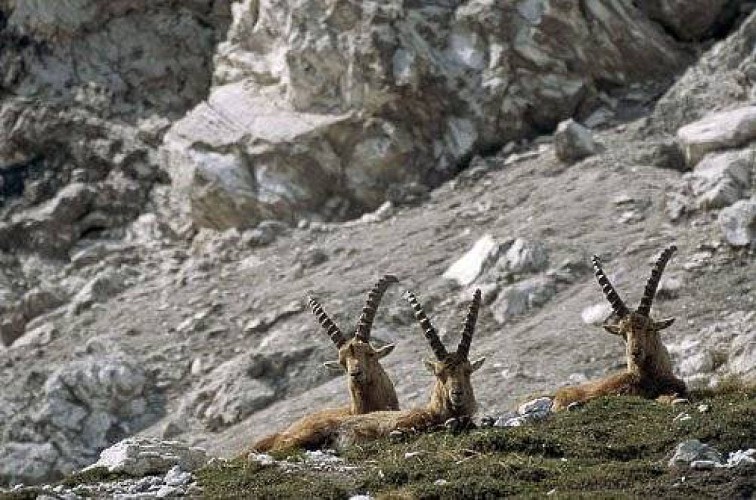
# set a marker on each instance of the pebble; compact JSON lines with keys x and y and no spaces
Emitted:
{"x":682,"y":417}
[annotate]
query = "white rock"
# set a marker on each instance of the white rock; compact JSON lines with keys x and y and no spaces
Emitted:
{"x":140,"y":456}
{"x":703,"y":464}
{"x":721,"y":130}
{"x":596,"y":314}
{"x":738,"y":223}
{"x":741,"y":457}
{"x":261,"y":458}
{"x":166,"y":491}
{"x":177,"y":477}
{"x":573,"y":142}
{"x":468,"y":267}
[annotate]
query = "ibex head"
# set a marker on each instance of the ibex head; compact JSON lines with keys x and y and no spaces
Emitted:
{"x":357,"y":356}
{"x":640,"y":332}
{"x":453,"y":392}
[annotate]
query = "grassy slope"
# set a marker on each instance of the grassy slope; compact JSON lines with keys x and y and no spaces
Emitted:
{"x":613,"y":447}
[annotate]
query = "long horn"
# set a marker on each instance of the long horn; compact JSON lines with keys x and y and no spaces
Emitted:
{"x":371,"y":306}
{"x":653,"y":282}
{"x":328,"y":325}
{"x":430,"y":333}
{"x":611,"y":294}
{"x":468,"y":328}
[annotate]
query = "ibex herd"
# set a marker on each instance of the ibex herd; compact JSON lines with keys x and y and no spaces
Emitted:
{"x":374,"y":408}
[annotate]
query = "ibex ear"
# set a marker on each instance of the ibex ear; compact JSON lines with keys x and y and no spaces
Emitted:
{"x":385,"y":350}
{"x":612,"y":328}
{"x":477,"y":363}
{"x":665,"y":323}
{"x":430,"y":365}
{"x":334,"y":366}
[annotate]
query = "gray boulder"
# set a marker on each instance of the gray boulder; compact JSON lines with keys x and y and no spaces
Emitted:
{"x":524,"y":256}
{"x":738,"y":223}
{"x":521,"y":297}
{"x":721,"y":179}
{"x":689,"y":452}
{"x":573,"y":142}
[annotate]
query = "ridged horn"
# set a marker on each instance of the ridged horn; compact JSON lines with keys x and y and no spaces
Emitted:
{"x":468,"y":327}
{"x":653,"y":282}
{"x":365,"y":324}
{"x":430,"y":333}
{"x":328,"y":325}
{"x":611,"y":294}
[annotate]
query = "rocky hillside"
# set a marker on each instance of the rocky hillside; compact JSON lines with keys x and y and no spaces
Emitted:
{"x":174,"y":176}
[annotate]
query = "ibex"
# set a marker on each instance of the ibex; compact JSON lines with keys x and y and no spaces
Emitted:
{"x":369,"y":386}
{"x":649,"y":370}
{"x":452,"y":396}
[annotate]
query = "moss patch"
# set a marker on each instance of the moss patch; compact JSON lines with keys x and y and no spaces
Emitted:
{"x":610,"y":447}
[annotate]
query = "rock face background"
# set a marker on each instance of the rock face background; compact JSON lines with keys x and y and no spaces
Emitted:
{"x":323,"y":108}
{"x":155,"y":157}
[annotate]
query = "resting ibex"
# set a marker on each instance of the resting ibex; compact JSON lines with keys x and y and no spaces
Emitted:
{"x":452,"y":395}
{"x":370,"y":387}
{"x":649,"y":370}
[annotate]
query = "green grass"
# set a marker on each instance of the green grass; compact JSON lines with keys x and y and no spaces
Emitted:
{"x":610,"y":448}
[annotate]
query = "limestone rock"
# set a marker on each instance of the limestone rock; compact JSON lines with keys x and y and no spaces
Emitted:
{"x":303,"y":115}
{"x":105,"y":285}
{"x":722,"y":130}
{"x":467,"y":268}
{"x":27,"y":462}
{"x":573,"y":142}
{"x":250,"y":382}
{"x":692,"y":451}
{"x":83,"y":407}
{"x":536,"y":409}
{"x":517,"y":299}
{"x":738,"y":223}
{"x":717,"y":81}
{"x":524,"y":256}
{"x":721,"y":179}
{"x":142,"y":456}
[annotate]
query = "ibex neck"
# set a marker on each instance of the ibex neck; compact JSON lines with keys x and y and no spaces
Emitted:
{"x":442,"y":409}
{"x":376,"y":396}
{"x":657,"y":365}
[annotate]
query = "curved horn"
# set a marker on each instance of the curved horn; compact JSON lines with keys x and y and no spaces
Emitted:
{"x":468,"y":328}
{"x":653,"y":282}
{"x":430,"y":333}
{"x":371,"y":306}
{"x":328,"y":325}
{"x":611,"y":294}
